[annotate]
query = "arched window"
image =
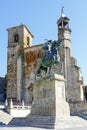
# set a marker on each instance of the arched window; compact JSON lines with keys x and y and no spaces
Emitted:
{"x":16,"y":38}
{"x":28,"y":41}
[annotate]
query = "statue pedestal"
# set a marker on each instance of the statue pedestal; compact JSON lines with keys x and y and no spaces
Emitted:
{"x":49,"y":97}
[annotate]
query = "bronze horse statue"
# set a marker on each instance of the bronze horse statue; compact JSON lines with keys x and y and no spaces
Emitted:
{"x":51,"y":57}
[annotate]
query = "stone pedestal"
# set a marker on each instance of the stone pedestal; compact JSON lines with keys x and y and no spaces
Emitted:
{"x":49,"y":97}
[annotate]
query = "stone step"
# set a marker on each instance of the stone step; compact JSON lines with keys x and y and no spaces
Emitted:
{"x":5,"y":118}
{"x":41,"y":121}
{"x":49,"y":122}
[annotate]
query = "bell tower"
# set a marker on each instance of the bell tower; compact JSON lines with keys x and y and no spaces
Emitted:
{"x":64,"y":34}
{"x":19,"y":38}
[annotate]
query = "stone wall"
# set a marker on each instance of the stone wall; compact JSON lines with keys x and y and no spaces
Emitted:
{"x":75,"y":88}
{"x":30,"y":66}
{"x":78,"y":107}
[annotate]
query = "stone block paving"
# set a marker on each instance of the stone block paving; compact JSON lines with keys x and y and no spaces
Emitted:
{"x":40,"y":123}
{"x":78,"y":128}
{"x":32,"y":128}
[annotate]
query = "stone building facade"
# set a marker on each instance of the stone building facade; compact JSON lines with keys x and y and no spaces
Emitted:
{"x":23,"y":59}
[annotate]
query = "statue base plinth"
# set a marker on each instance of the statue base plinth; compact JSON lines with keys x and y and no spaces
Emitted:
{"x":49,"y":97}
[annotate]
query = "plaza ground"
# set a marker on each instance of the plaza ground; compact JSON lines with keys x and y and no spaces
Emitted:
{"x":32,"y":128}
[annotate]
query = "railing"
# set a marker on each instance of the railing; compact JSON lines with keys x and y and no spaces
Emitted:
{"x":21,"y":107}
{"x":10,"y":104}
{"x":21,"y":110}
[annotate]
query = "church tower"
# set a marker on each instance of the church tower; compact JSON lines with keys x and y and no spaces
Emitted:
{"x":71,"y":71}
{"x":64,"y":34}
{"x":19,"y":38}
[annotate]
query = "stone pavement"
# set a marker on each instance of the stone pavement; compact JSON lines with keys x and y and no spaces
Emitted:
{"x":40,"y":123}
{"x":48,"y":122}
{"x":78,"y":128}
{"x":32,"y":128}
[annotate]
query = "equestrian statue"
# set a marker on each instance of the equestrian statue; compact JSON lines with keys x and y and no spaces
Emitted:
{"x":50,"y":57}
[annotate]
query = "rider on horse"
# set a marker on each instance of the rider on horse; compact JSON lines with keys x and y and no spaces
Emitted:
{"x":51,"y":56}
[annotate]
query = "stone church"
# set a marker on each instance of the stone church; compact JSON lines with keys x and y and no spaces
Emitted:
{"x":22,"y":60}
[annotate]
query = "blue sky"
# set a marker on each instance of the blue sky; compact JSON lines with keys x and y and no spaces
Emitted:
{"x":40,"y":16}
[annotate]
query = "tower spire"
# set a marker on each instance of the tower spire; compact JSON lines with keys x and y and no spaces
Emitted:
{"x":62,"y":12}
